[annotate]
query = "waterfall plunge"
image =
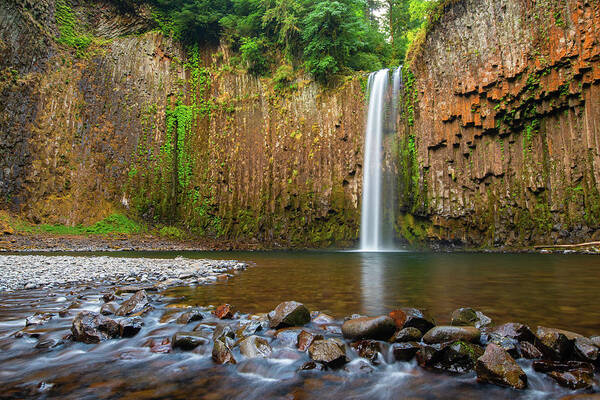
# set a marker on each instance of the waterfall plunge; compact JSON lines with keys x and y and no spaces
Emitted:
{"x":377,"y":215}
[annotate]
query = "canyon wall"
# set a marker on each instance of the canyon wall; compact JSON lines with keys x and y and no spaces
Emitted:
{"x":501,"y":125}
{"x":175,"y":136}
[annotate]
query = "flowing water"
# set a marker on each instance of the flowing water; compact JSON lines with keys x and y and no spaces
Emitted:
{"x":552,"y":290}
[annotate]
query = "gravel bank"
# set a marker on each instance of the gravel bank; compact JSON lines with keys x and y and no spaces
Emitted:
{"x":30,"y":272}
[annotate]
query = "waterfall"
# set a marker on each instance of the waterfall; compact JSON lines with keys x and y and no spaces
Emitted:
{"x":377,"y":217}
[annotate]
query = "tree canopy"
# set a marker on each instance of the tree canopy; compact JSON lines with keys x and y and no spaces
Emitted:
{"x":325,"y":37}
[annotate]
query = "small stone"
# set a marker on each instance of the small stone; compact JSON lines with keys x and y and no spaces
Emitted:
{"x":289,"y":313}
{"x":38,"y":319}
{"x":91,"y":327}
{"x":224,"y":311}
{"x":254,"y":347}
{"x":109,"y":308}
{"x":323,"y":319}
{"x":407,"y":335}
{"x":376,"y":328}
{"x":412,"y":318}
{"x":190,"y":316}
{"x":329,"y":352}
{"x":129,"y":327}
{"x":305,"y":339}
{"x":445,"y":334}
{"x":135,"y":304}
{"x":572,"y":374}
{"x":369,"y":349}
{"x":189,"y":340}
{"x":221,"y":353}
{"x":585,"y":349}
{"x":496,"y":366}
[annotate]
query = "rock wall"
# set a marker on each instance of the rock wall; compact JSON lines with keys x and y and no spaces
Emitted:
{"x":501,"y":137}
{"x":176,"y":136}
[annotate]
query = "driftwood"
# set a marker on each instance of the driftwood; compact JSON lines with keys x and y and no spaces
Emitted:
{"x":568,"y":246}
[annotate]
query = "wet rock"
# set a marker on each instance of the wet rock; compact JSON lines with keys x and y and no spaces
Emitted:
{"x":323,"y":319}
{"x":590,"y":396}
{"x":407,"y":335}
{"x":109,"y":308}
{"x":412,"y":318}
{"x":496,"y":366}
{"x":329,"y":352}
{"x":189,"y":340}
{"x":225,"y":334}
{"x":509,"y":344}
{"x":571,"y":374}
{"x":108,"y":297}
{"x":288,"y":336}
{"x":311,"y":365}
{"x":289,"y":313}
{"x":91,"y":327}
{"x":445,"y":334}
{"x":161,"y":347}
{"x":554,"y":343}
{"x":134,"y":289}
{"x":224,"y":311}
{"x":585,"y":349}
{"x":251,"y":327}
{"x":135,"y":304}
{"x":596,"y":341}
{"x":405,"y":351}
{"x":516,"y":331}
{"x":369,"y":349}
{"x":377,"y":328}
{"x":458,"y":357}
{"x":221,"y":353}
{"x":305,"y":339}
{"x":529,"y":351}
{"x":254,"y":346}
{"x":129,"y":327}
{"x":469,"y":317}
{"x":190,"y":316}
{"x":38,"y":319}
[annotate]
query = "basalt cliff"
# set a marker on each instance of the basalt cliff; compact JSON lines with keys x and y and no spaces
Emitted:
{"x":497,"y":141}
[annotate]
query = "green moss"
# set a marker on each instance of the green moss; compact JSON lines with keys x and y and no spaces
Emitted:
{"x":70,"y":34}
{"x":113,"y":224}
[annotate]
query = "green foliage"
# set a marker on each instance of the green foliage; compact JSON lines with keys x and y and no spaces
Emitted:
{"x":67,"y":26}
{"x":113,"y":224}
{"x":172,"y":232}
{"x":252,"y":51}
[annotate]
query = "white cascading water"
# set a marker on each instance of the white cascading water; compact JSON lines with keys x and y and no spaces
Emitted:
{"x":370,"y":224}
{"x":376,"y":233}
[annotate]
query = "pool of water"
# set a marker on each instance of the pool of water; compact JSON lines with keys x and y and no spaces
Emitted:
{"x":558,"y":291}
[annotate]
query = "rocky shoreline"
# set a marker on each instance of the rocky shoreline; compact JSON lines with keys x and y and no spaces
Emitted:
{"x":32,"y":272}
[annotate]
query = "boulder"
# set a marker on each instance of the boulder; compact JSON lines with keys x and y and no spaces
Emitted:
{"x":529,"y":351}
{"x":221,"y":353}
{"x":516,"y":331}
{"x":369,"y":349}
{"x":509,"y":344}
{"x":330,"y":352}
{"x":109,"y":308}
{"x":90,"y":327}
{"x":457,"y":357}
{"x":137,"y":303}
{"x":289,"y":313}
{"x":225,"y":334}
{"x":224,"y":311}
{"x":305,"y":339}
{"x":445,"y":334}
{"x":407,"y":335}
{"x":129,"y":327}
{"x":496,"y":366}
{"x":469,"y":317}
{"x":554,"y":343}
{"x":190,"y":316}
{"x":189,"y":340}
{"x":254,"y":347}
{"x":376,"y":328}
{"x":412,"y":318}
{"x":322,"y":319}
{"x":572,"y":374}
{"x":288,"y":337}
{"x":405,"y":351}
{"x":585,"y":349}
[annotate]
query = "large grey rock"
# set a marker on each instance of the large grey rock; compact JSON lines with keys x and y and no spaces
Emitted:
{"x":376,"y":328}
{"x":289,"y":313}
{"x":445,"y":334}
{"x":498,"y":367}
{"x":92,"y":327}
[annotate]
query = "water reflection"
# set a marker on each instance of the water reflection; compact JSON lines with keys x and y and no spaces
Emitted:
{"x":372,"y":282}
